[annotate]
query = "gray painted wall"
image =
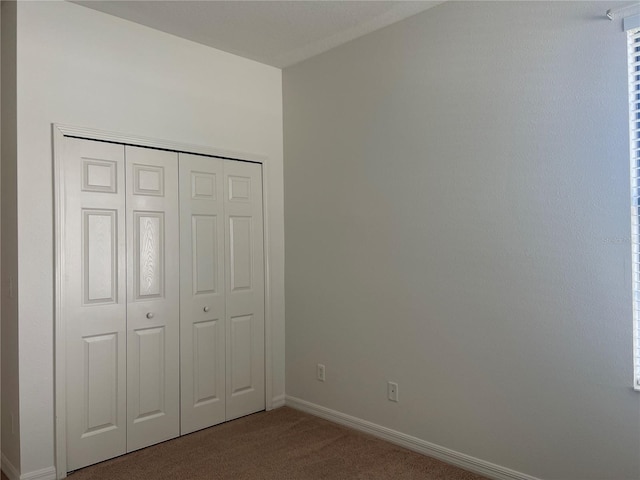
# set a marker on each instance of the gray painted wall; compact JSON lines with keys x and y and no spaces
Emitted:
{"x":10,"y":436}
{"x":457,"y":220}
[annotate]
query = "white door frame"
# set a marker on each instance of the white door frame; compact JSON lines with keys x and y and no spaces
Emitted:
{"x":61,"y":131}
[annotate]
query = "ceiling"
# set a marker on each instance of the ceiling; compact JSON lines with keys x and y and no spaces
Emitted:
{"x":278,"y":33}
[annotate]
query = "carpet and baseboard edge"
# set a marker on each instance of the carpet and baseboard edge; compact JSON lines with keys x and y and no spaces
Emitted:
{"x":476,"y":465}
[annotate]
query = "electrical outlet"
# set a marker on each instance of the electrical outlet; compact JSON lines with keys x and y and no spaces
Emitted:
{"x":320,"y":372}
{"x":392,"y":391}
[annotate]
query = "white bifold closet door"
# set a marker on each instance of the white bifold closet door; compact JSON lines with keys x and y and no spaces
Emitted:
{"x":162,"y":295}
{"x":244,"y":283}
{"x":222,"y":291}
{"x":202,"y":292}
{"x":94,"y":300}
{"x":153,"y":296}
{"x":120,"y":298}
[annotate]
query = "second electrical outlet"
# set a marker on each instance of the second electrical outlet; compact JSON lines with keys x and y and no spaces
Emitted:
{"x":392,"y":391}
{"x":320,"y":372}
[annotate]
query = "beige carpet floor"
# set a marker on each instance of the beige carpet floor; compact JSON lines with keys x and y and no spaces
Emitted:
{"x":283,"y":444}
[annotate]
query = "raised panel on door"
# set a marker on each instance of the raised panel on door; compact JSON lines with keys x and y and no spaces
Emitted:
{"x":202,"y":301}
{"x":149,"y":365}
{"x":94,"y":299}
{"x":244,"y":280}
{"x":153,"y":377}
{"x":100,"y":384}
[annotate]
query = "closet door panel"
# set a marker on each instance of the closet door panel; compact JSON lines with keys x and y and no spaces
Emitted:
{"x":244,"y":281}
{"x":94,"y":299}
{"x":153,"y":358}
{"x":202,"y":300}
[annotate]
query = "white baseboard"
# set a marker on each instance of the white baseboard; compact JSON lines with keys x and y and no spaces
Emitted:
{"x":12,"y":472}
{"x":490,"y":470}
{"x":48,"y":473}
{"x":9,"y":470}
{"x":278,"y":401}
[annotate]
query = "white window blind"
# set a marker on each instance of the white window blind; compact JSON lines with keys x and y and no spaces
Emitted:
{"x":633,"y":46}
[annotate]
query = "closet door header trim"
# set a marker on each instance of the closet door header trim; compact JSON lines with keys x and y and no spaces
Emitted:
{"x":125,"y":139}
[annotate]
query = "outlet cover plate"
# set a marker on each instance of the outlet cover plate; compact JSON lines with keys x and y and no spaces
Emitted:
{"x":392,"y":391}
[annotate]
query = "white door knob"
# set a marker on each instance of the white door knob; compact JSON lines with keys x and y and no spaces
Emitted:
{"x":149,"y":315}
{"x":206,"y":309}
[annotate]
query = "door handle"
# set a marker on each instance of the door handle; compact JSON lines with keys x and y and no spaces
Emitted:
{"x":206,"y":309}
{"x":150,"y":315}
